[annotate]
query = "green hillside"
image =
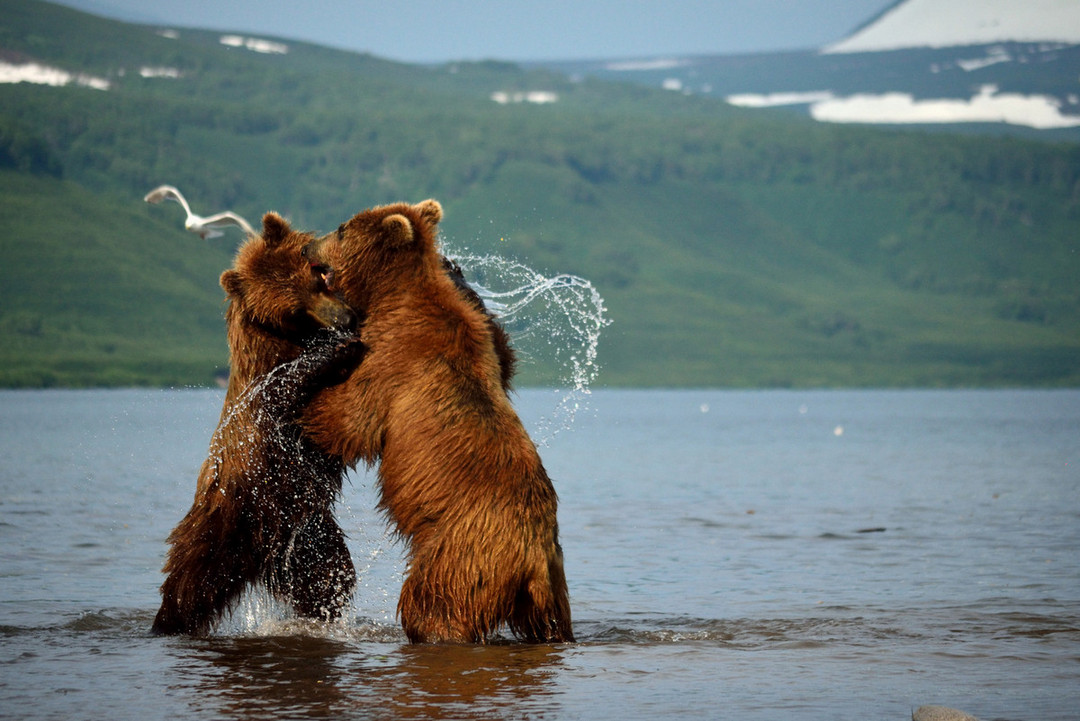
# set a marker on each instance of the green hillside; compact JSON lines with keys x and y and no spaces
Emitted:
{"x":95,"y":292}
{"x":732,"y":248}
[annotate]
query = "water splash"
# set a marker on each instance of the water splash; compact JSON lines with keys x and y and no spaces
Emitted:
{"x":554,"y":322}
{"x":257,"y":611}
{"x":268,"y":401}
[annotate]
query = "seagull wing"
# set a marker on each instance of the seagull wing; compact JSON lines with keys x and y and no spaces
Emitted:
{"x":167,"y":192}
{"x":205,"y":227}
{"x":222,"y":220}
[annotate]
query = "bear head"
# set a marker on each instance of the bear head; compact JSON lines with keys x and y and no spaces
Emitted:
{"x":271,"y":285}
{"x":377,"y":251}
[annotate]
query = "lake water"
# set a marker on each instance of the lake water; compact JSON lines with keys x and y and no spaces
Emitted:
{"x":752,"y":555}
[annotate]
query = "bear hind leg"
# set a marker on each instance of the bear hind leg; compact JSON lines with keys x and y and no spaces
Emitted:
{"x":204,"y":581}
{"x":429,"y":613}
{"x":541,"y":609}
{"x":317,"y":576}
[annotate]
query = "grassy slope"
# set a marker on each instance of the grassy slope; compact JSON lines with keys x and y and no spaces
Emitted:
{"x":698,"y":300}
{"x":104,"y":292}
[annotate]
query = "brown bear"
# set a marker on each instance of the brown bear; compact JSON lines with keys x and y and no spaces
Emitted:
{"x":459,"y":476}
{"x":263,"y":509}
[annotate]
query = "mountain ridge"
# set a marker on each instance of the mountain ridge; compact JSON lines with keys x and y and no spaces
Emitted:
{"x":1010,"y":88}
{"x":976,"y":65}
{"x":955,"y":23}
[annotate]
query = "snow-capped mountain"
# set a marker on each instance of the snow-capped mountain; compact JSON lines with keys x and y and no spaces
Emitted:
{"x":1006,"y":64}
{"x":952,"y":23}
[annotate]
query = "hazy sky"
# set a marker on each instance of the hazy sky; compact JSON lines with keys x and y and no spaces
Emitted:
{"x":441,"y":30}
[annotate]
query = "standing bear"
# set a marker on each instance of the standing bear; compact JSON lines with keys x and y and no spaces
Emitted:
{"x":459,"y":476}
{"x":263,"y":508}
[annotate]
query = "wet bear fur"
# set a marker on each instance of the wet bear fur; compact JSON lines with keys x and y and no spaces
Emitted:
{"x":459,"y":477}
{"x":501,"y":339}
{"x":263,"y":508}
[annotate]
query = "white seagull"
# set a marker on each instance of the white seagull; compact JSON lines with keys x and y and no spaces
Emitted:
{"x":204,"y":227}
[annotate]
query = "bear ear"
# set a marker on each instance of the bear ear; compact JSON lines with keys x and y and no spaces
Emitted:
{"x":275,"y":228}
{"x":430,"y":210}
{"x":231,"y":282}
{"x":397,"y":229}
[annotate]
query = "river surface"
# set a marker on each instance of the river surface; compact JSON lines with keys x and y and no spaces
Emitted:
{"x":753,"y":555}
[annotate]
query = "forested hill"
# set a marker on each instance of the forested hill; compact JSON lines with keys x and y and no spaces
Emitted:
{"x":732,"y":247}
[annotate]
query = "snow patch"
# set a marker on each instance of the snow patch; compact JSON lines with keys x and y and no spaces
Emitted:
{"x":772,"y":100}
{"x":150,"y":72}
{"x":1035,"y":111}
{"x":538,"y":97}
{"x":657,"y":64}
{"x":988,"y":106}
{"x":993,"y":57}
{"x":45,"y":75}
{"x":950,"y":23}
{"x":257,"y":45}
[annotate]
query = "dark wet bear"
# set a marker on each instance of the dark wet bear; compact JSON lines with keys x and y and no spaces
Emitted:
{"x":263,"y":508}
